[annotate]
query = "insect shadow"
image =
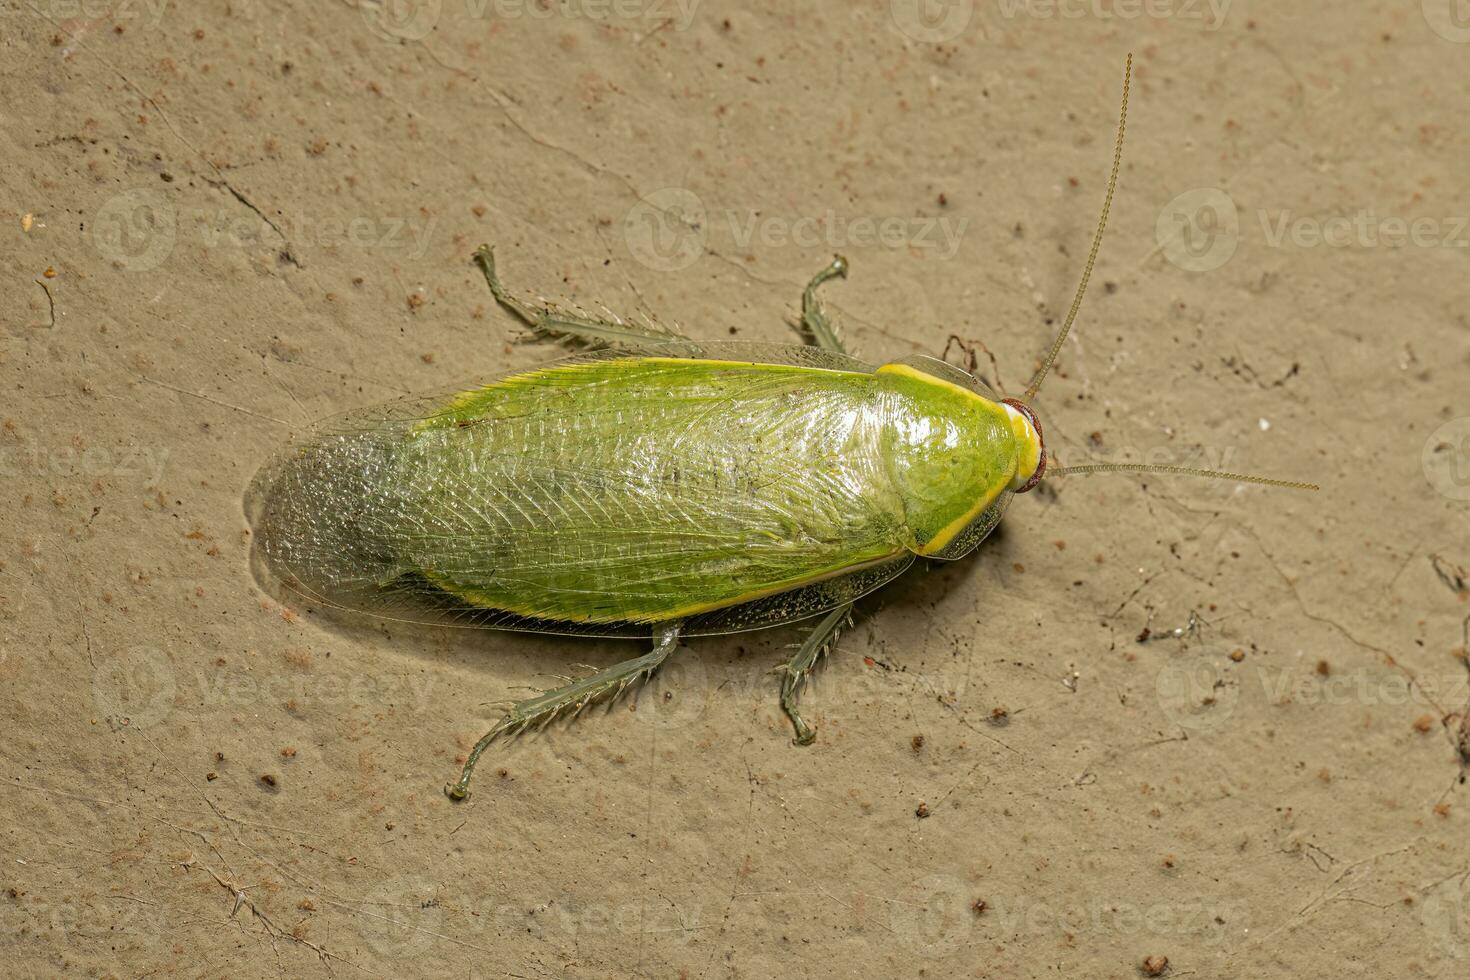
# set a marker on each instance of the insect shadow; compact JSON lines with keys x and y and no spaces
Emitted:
{"x":677,"y":695}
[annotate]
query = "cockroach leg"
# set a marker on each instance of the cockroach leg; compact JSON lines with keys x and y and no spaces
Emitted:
{"x":549,"y":323}
{"x":540,"y":710}
{"x":814,"y":321}
{"x":799,"y":666}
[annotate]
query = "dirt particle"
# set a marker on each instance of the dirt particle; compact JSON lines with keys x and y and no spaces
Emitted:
{"x":1154,"y":966}
{"x":1324,"y":669}
{"x":978,"y":906}
{"x":267,"y":780}
{"x":916,"y":743}
{"x":1237,"y":655}
{"x":922,"y":811}
{"x":1424,"y":724}
{"x":288,"y":752}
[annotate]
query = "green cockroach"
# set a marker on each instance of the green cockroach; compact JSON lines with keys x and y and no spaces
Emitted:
{"x":659,"y":485}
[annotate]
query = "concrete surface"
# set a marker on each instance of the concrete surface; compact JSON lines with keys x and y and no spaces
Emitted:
{"x":226,"y":218}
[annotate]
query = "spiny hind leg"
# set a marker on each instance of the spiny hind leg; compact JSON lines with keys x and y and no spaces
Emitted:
{"x":549,"y":323}
{"x":815,"y":324}
{"x":541,"y":709}
{"x":820,"y":641}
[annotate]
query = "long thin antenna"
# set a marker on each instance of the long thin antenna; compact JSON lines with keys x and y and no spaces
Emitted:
{"x":1102,"y":222}
{"x":1264,"y":481}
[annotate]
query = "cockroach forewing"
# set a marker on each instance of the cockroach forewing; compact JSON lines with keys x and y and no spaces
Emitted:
{"x":309,"y":504}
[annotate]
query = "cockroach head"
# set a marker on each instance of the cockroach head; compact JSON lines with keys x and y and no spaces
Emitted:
{"x":1031,"y":466}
